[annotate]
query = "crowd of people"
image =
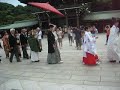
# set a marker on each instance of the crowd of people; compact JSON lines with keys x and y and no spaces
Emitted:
{"x":14,"y":42}
{"x":90,"y":56}
{"x":75,"y":35}
{"x":86,"y":37}
{"x":83,"y":36}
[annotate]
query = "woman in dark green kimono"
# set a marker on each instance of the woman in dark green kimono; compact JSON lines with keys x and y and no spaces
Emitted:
{"x":34,"y":46}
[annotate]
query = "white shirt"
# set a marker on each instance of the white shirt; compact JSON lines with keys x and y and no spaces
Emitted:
{"x":55,"y":34}
{"x":60,"y":34}
{"x":89,"y":43}
{"x":71,"y":33}
{"x":18,"y":36}
{"x":40,"y":35}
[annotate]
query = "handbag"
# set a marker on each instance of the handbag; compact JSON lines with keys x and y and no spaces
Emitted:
{"x":40,"y":48}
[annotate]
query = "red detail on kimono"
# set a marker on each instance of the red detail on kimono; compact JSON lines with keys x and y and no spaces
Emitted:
{"x":90,"y":59}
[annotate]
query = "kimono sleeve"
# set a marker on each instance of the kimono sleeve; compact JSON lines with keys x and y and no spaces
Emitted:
{"x":90,"y":37}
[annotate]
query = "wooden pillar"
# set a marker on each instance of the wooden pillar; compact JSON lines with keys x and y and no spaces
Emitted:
{"x":39,"y":20}
{"x":48,"y":17}
{"x":66,"y":19}
{"x":77,"y":14}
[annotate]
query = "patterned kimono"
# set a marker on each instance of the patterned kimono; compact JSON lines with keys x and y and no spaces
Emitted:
{"x":6,"y":45}
{"x":113,"y":50}
{"x":57,"y":51}
{"x":89,"y":49}
{"x":53,"y":52}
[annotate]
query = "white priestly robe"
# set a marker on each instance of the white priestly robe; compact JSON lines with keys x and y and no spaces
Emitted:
{"x":89,"y":44}
{"x":113,"y":49}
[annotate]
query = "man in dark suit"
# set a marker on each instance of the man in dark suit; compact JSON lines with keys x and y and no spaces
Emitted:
{"x":13,"y":46}
{"x":78,"y":36}
{"x":24,"y":42}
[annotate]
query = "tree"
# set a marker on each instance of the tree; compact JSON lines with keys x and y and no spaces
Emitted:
{"x":31,"y":9}
{"x":9,"y":19}
{"x":10,"y":14}
{"x":5,"y":6}
{"x":18,"y":10}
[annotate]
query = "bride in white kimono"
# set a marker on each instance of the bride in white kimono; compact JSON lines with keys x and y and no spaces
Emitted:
{"x":113,"y":49}
{"x":89,"y":48}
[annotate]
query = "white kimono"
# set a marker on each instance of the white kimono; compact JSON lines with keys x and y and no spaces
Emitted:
{"x":113,"y":50}
{"x":55,"y":34}
{"x":89,"y":44}
{"x":34,"y":56}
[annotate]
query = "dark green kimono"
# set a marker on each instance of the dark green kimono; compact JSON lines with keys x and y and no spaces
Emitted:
{"x":34,"y":44}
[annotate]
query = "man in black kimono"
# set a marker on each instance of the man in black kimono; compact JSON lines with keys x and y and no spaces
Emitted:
{"x":77,"y":33}
{"x":13,"y":46}
{"x":24,"y":42}
{"x":53,"y":52}
{"x":51,"y":41}
{"x":51,"y":44}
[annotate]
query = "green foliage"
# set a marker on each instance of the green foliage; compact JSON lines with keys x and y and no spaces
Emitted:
{"x":10,"y":13}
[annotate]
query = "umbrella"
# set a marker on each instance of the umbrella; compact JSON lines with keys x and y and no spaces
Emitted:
{"x":46,"y":6}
